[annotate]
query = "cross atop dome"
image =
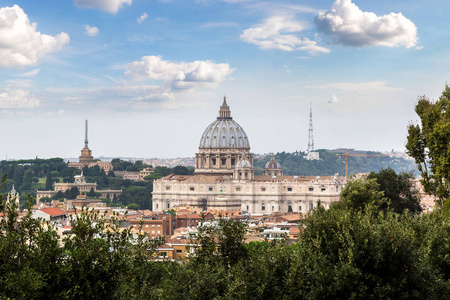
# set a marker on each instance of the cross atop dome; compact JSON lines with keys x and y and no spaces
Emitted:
{"x":224,"y":112}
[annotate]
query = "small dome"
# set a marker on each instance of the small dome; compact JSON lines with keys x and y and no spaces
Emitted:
{"x":273,"y":164}
{"x":243,"y":164}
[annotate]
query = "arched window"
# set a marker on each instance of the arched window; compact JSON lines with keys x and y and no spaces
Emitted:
{"x":311,"y":206}
{"x":263,"y":206}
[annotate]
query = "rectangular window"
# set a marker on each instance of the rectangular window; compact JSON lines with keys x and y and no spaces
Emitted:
{"x":224,"y":161}
{"x":167,"y":188}
{"x":210,"y":189}
{"x":263,"y":189}
{"x":179,"y":251}
{"x":289,"y":189}
{"x":263,"y":207}
{"x":163,"y":254}
{"x":311,"y":189}
{"x":322,"y":189}
{"x":238,"y":189}
{"x":214,"y":161}
{"x":192,"y":188}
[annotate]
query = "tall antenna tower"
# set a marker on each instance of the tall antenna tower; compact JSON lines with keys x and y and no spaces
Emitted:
{"x":310,"y":137}
{"x":86,"y":134}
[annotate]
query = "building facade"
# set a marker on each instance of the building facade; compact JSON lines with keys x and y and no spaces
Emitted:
{"x":224,"y":178}
{"x":81,"y":184}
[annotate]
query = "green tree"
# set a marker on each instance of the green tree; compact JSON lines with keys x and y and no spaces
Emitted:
{"x":49,"y":182}
{"x":27,"y":179}
{"x":91,"y":192}
{"x":58,"y":195}
{"x":72,"y":193}
{"x":153,"y":176}
{"x":398,"y":189}
{"x":357,"y":254}
{"x":133,"y":206}
{"x":359,"y":192}
{"x":429,"y":144}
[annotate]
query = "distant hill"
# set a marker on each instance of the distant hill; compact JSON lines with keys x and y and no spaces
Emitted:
{"x":330,"y":163}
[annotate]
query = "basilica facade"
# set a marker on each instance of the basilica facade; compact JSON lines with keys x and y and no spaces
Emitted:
{"x":224,"y":178}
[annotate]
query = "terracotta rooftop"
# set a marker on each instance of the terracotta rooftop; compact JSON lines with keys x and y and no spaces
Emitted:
{"x":294,"y":230}
{"x":292,"y":217}
{"x":177,"y":241}
{"x":54,"y":211}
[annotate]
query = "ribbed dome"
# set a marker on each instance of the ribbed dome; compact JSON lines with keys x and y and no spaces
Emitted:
{"x":224,"y":132}
{"x":273,"y":164}
{"x":243,"y":164}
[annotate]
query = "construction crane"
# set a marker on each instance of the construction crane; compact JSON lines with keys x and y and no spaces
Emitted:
{"x":346,"y":155}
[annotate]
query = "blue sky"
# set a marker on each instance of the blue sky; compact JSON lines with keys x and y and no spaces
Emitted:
{"x":150,"y":75}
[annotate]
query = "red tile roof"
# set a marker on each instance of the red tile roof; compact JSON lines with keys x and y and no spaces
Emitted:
{"x":54,"y":211}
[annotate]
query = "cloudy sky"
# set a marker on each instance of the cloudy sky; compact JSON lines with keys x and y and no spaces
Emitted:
{"x":150,"y":75}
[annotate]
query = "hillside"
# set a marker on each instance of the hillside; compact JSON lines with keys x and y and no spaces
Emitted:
{"x":330,"y":164}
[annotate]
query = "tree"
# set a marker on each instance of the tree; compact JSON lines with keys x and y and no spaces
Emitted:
{"x":91,"y":192}
{"x":397,"y":188}
{"x":72,"y":193}
{"x":133,"y":206}
{"x":49,"y":182}
{"x":27,"y":179}
{"x":429,"y":144}
{"x":153,"y":176}
{"x":359,"y":192}
{"x":358,"y":254}
{"x":58,"y":195}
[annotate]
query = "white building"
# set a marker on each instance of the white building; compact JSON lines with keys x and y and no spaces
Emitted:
{"x":224,"y":178}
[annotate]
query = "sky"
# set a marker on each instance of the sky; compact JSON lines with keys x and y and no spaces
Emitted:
{"x":150,"y":76}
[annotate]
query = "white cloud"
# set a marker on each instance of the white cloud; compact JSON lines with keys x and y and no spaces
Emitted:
{"x":61,"y":112}
{"x":281,"y":32}
{"x":142,"y":18}
{"x":333,"y":99}
{"x":30,"y":73}
{"x":91,"y":31}
{"x":346,"y":24}
{"x":111,"y":6}
{"x":17,"y":98}
{"x":177,"y":75}
{"x":20,"y":43}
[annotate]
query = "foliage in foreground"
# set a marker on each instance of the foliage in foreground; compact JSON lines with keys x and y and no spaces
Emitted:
{"x":429,"y":144}
{"x":356,"y":249}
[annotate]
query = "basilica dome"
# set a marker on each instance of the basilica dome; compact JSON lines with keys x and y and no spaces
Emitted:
{"x":272,"y":163}
{"x":244,"y":164}
{"x":224,"y":132}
